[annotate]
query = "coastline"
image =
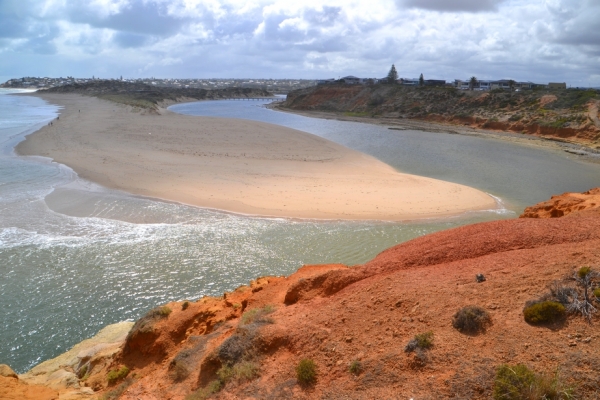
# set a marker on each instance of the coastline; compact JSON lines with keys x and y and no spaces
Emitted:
{"x":239,"y":166}
{"x":589,"y":154}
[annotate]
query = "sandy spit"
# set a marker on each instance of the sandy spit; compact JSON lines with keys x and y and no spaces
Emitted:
{"x":240,"y":166}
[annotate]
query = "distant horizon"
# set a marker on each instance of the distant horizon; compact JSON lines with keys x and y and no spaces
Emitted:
{"x":4,"y":79}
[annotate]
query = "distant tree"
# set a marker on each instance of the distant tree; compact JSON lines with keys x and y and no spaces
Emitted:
{"x":392,"y":76}
{"x":472,"y":82}
{"x":511,"y":84}
{"x":421,"y":80}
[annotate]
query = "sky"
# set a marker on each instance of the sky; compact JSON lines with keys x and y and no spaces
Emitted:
{"x":536,"y":40}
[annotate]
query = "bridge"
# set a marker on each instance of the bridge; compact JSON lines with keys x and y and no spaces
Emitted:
{"x":277,"y":99}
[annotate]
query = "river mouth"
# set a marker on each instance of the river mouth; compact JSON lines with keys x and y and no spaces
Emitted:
{"x":76,"y":257}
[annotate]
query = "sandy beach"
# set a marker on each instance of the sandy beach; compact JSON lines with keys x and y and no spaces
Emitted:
{"x":240,"y":166}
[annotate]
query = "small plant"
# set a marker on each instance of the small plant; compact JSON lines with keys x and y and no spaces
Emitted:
{"x":83,"y":372}
{"x":355,"y":367}
{"x":236,"y":306}
{"x":116,"y":375}
{"x":584,"y":272}
{"x":597,"y":293}
{"x":118,"y":390}
{"x":519,"y":382}
{"x":163,"y":311}
{"x":471,"y":319}
{"x":178,"y":370}
{"x":204,"y":393}
{"x":544,"y":312}
{"x":306,"y":371}
{"x":185,"y":305}
{"x":258,"y":315}
{"x":245,"y":371}
{"x":423,"y":341}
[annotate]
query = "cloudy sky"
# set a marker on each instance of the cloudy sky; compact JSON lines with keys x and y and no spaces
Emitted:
{"x":537,"y":40}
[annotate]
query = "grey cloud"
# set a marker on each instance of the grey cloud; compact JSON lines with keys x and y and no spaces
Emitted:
{"x":453,"y":5}
{"x":125,"y":39}
{"x":325,"y":17}
{"x":138,"y":17}
{"x":572,"y":23}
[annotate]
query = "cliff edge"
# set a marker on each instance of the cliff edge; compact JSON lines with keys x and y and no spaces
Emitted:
{"x":330,"y":331}
{"x":569,"y":115}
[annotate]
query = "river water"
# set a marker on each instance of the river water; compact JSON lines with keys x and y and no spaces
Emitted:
{"x":65,"y":275}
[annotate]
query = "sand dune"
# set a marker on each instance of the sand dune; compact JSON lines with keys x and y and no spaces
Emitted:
{"x":237,"y":165}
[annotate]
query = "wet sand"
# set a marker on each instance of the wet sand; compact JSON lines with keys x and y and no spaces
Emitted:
{"x":241,"y":166}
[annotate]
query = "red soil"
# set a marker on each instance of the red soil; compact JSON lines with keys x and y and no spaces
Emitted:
{"x":335,"y":315}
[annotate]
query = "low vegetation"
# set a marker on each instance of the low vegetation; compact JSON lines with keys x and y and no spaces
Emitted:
{"x":306,"y":372}
{"x":355,"y":367}
{"x":146,"y":323}
{"x":575,"y":295}
{"x":185,"y":305}
{"x":544,"y":312}
{"x":117,"y":375}
{"x":471,"y":320}
{"x":422,"y":341}
{"x":518,"y":382}
{"x":258,"y":315}
{"x":115,"y":393}
{"x":238,"y":373}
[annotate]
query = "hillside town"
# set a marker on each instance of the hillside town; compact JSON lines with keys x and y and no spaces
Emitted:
{"x":468,"y":84}
{"x":276,"y":86}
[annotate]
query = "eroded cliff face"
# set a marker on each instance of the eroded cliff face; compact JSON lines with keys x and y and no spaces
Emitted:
{"x":573,"y":204}
{"x":566,"y":115}
{"x":248,"y":343}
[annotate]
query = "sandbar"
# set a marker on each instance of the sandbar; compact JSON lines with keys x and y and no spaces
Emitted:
{"x":236,"y":165}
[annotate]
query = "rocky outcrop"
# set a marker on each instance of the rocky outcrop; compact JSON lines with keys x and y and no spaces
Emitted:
{"x":247,"y":343}
{"x":563,"y":115}
{"x":566,"y":204}
{"x":69,"y":373}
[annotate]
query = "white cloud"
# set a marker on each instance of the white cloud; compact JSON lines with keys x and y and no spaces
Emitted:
{"x":538,"y":40}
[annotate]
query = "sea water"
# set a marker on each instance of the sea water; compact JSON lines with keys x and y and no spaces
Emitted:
{"x":75,"y":257}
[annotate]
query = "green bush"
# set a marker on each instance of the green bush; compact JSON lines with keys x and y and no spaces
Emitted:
{"x":355,"y":367}
{"x":421,"y":341}
{"x":306,"y":371}
{"x":185,"y":305}
{"x":520,"y":383}
{"x":544,"y":312}
{"x":471,"y":319}
{"x":116,"y":375}
{"x":597,"y":292}
{"x":583,"y":272}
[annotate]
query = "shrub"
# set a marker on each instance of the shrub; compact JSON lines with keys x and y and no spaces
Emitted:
{"x":355,"y":367}
{"x":520,"y":383}
{"x":306,"y":371}
{"x":118,"y":390}
{"x":116,"y":375}
{"x":258,"y":315}
{"x":597,"y":293}
{"x":178,"y":370}
{"x":204,"y":393}
{"x":471,"y":319}
{"x":185,"y":305}
{"x":421,"y":341}
{"x":544,"y":312}
{"x":583,"y":272}
{"x":245,"y":371}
